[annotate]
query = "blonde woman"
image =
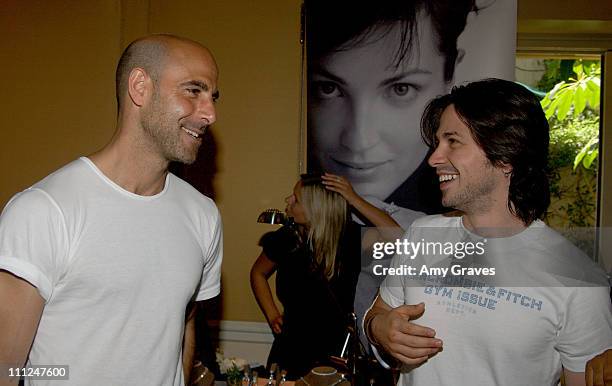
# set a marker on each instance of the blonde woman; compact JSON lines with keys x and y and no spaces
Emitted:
{"x":317,"y":261}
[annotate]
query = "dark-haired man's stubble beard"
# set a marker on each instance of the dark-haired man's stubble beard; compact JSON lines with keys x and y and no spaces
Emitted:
{"x":475,"y":196}
{"x":164,"y":133}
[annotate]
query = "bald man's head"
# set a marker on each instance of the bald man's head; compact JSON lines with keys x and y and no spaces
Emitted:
{"x":149,"y":53}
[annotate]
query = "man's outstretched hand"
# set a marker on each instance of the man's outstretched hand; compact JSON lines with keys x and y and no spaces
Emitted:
{"x":598,"y":370}
{"x":395,"y":331}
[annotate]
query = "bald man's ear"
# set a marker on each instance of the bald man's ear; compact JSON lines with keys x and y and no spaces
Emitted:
{"x":139,"y":84}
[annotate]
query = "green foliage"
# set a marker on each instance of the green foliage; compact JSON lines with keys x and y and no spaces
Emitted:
{"x":588,"y":153}
{"x":569,"y":137}
{"x":573,"y":191}
{"x":557,"y":71}
{"x":552,"y":75}
{"x":573,"y":96}
{"x":575,"y":93}
{"x":572,"y":111}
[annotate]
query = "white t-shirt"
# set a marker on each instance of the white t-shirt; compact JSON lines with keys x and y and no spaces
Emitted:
{"x":504,"y":329}
{"x":368,"y":283}
{"x":116,"y":271}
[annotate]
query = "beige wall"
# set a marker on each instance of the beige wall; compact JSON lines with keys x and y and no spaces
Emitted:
{"x":57,"y":74}
{"x":565,"y":9}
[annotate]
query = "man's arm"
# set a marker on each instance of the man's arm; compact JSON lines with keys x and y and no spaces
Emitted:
{"x":599,"y":370}
{"x":21,"y":307}
{"x":573,"y":379}
{"x":189,"y":340}
{"x":392,"y":329}
{"x":587,"y":331}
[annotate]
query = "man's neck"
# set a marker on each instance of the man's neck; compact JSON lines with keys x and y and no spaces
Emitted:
{"x":500,"y":223}
{"x":132,"y":166}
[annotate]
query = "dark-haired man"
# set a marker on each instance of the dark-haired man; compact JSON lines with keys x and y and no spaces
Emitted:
{"x":527,"y":303}
{"x":101,"y":260}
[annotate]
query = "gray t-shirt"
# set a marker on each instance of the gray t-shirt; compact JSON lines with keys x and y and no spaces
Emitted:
{"x":547,"y":306}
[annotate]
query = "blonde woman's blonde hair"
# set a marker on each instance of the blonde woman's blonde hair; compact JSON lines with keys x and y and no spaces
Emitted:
{"x":327,"y":214}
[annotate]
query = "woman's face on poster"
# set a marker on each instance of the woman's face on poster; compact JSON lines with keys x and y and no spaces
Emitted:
{"x":364,"y":110}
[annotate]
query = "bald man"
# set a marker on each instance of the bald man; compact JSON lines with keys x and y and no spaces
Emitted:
{"x":101,"y":261}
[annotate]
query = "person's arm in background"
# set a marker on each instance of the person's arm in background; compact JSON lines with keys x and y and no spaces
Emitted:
{"x":189,"y":340}
{"x":387,"y":226}
{"x":376,"y":216}
{"x":260,"y":272}
{"x":21,"y":307}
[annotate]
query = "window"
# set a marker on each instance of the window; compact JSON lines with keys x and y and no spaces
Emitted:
{"x":570,"y":93}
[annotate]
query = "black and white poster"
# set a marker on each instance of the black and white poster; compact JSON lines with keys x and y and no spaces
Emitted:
{"x":372,"y":67}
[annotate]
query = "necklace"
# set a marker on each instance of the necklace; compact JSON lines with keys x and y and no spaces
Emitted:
{"x":315,"y":372}
{"x":336,"y":382}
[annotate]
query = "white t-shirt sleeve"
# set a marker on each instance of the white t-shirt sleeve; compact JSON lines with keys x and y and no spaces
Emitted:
{"x":587,"y":329}
{"x":33,"y":240}
{"x":210,"y":286}
{"x":392,"y":288}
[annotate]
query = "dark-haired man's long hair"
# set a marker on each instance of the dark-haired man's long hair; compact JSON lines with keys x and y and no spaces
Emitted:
{"x":507,"y":122}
